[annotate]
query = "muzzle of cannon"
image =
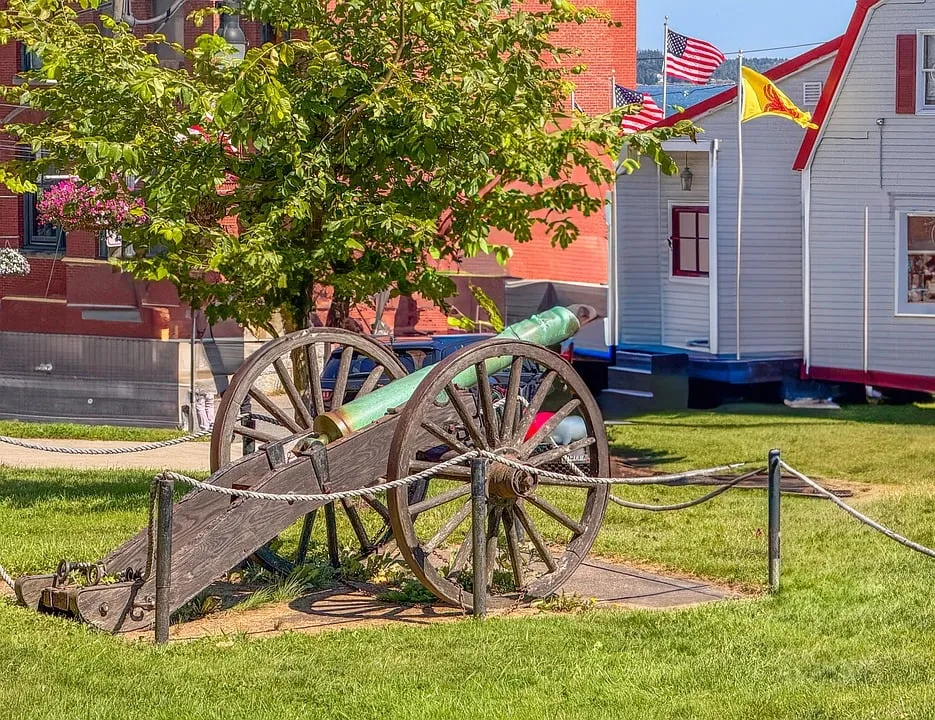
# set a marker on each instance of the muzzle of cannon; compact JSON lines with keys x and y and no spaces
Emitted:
{"x":324,"y":410}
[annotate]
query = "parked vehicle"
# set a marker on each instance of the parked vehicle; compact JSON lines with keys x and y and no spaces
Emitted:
{"x":413,"y":353}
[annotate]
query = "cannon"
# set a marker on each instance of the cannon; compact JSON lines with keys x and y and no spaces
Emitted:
{"x":509,"y":395}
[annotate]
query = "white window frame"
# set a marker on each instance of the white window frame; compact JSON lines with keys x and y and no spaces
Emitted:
{"x":670,"y":275}
{"x":921,"y":107}
{"x":904,"y":308}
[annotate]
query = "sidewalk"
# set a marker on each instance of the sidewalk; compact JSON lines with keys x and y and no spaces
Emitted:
{"x":189,"y":456}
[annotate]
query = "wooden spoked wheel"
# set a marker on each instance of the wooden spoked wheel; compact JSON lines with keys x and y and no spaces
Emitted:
{"x":536,"y":410}
{"x":288,"y":382}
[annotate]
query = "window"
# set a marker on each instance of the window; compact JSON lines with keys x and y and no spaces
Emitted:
{"x":689,"y":241}
{"x":38,"y":237}
{"x":28,"y":60}
{"x":927,"y":69}
{"x":920,"y":246}
{"x":811,"y":93}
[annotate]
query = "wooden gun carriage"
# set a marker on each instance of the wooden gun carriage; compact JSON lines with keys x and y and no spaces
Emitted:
{"x":509,"y":395}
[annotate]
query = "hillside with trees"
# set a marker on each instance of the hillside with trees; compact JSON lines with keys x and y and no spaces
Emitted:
{"x":649,"y":67}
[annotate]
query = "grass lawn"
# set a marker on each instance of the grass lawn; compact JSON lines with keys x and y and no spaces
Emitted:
{"x":72,"y":431}
{"x":852,"y":634}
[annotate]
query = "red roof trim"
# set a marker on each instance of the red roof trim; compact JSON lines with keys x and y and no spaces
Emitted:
{"x":779,"y":72}
{"x":848,"y":45}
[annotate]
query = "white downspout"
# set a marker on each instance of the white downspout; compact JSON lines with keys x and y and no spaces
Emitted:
{"x":866,"y":291}
{"x":713,"y":303}
{"x":807,"y":268}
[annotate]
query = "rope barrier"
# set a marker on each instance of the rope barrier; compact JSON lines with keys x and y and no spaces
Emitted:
{"x":104,"y":451}
{"x":859,"y":515}
{"x":6,"y":577}
{"x":431,"y":472}
{"x":688,"y":503}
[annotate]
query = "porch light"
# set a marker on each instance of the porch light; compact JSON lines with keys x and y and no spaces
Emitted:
{"x":229,"y":29}
{"x":687,"y":176}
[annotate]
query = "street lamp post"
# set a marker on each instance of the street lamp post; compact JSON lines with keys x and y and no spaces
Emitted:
{"x":230,"y":29}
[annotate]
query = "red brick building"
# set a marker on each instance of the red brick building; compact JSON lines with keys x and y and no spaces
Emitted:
{"x":73,"y":290}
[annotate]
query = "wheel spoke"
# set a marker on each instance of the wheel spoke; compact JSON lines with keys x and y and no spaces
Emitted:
{"x":446,"y":437}
{"x":453,"y":473}
{"x":486,"y":402}
{"x":548,"y":427}
{"x":285,"y":377}
{"x":461,"y":557}
{"x":558,"y":452}
{"x":379,"y":507}
{"x":373,"y":379}
{"x":511,"y":405}
{"x":307,"y":523}
{"x":493,"y":531}
{"x":255,"y":434}
{"x":447,"y":529}
{"x":273,"y":409}
{"x":556,"y":514}
{"x":314,"y":378}
{"x":535,"y":405}
{"x":458,"y":403}
{"x":512,"y":544}
{"x":358,"y":526}
{"x":344,"y":372}
{"x":534,"y":536}
{"x":439,"y":500}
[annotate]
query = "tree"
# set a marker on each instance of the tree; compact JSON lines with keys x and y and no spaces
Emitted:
{"x":377,"y":137}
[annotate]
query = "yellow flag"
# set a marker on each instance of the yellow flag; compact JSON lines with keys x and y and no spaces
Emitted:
{"x":761,"y":97}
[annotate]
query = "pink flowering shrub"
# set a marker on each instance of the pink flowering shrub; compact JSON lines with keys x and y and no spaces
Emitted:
{"x":72,"y":205}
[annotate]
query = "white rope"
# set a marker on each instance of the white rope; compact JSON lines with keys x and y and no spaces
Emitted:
{"x":688,"y":503}
{"x":431,"y":472}
{"x":103,"y":451}
{"x":578,"y":480}
{"x":323,"y":498}
{"x":5,"y":577}
{"x":859,"y":515}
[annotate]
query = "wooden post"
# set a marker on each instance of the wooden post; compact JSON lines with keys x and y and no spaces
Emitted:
{"x":478,"y":530}
{"x":163,"y":558}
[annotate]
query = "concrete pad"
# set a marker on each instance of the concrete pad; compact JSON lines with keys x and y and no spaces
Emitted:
{"x":611,"y":584}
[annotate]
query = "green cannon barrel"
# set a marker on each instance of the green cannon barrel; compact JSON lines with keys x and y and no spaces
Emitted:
{"x":548,"y":328}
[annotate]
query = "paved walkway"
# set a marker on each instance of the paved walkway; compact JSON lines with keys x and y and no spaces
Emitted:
{"x":189,"y":456}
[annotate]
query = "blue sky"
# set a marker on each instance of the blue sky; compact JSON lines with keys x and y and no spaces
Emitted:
{"x":744,"y":24}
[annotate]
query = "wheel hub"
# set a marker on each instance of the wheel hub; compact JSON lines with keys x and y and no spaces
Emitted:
{"x":508,"y":483}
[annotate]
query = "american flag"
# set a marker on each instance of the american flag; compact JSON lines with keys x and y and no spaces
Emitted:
{"x":650,"y":113}
{"x":691,"y":59}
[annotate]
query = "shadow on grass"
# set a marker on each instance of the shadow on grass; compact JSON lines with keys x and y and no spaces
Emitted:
{"x":765,"y":416}
{"x":639,"y":457}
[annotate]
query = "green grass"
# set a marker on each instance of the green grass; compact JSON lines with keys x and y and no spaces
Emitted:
{"x":851,"y":635}
{"x":71,"y":431}
{"x":885,"y":444}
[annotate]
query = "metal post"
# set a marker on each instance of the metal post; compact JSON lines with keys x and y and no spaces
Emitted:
{"x":163,"y":558}
{"x":478,"y":534}
{"x":775,"y":478}
{"x":192,"y":419}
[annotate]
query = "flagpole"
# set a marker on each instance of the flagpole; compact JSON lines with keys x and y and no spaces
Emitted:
{"x":665,"y":68}
{"x":740,"y":100}
{"x":572,"y":100}
{"x":613,"y":88}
